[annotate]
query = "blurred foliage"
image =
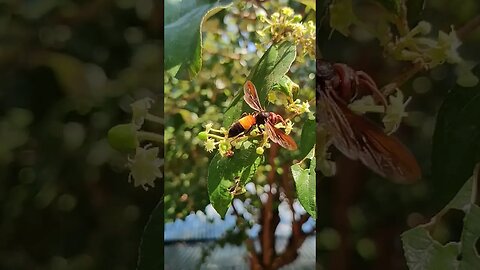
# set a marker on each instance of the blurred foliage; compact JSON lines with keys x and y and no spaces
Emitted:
{"x":69,"y":70}
{"x":231,"y":48}
{"x":361,"y":215}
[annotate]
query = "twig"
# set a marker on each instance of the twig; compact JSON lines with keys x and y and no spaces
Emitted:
{"x":468,"y":28}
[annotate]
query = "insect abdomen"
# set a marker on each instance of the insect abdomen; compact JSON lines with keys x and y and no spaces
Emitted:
{"x":245,"y":123}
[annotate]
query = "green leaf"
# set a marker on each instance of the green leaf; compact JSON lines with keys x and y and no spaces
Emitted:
{"x":308,"y":3}
{"x":305,"y":182}
{"x":470,"y":235}
{"x":223,"y":171}
{"x":391,"y":5}
{"x":342,"y":16}
{"x":423,"y":252}
{"x":151,"y":253}
{"x":269,"y":70}
{"x":183,"y":41}
{"x":309,"y":137}
{"x":456,"y":142}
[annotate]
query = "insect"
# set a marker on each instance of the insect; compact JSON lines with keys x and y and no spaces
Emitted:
{"x":237,"y":188}
{"x":261,"y":117}
{"x":355,"y":136}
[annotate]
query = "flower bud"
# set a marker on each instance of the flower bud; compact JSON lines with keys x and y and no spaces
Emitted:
{"x":123,"y":137}
{"x":202,"y":136}
{"x":260,"y":150}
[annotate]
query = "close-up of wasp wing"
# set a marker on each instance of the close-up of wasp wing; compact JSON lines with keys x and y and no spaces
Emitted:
{"x":251,"y":96}
{"x":382,"y":153}
{"x":332,"y":117}
{"x":278,"y":136}
{"x":359,"y":138}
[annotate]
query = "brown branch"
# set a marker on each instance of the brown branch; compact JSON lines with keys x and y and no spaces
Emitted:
{"x":468,"y":28}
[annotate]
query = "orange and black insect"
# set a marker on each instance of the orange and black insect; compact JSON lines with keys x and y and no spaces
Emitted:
{"x":261,"y":117}
{"x":354,"y":135}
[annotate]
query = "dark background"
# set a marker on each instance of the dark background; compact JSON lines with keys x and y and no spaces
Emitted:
{"x":362,"y":215}
{"x":68,"y":72}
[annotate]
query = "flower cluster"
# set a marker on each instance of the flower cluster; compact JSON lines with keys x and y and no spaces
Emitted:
{"x":282,"y":92}
{"x":393,"y":112}
{"x":416,"y":47}
{"x":219,"y":139}
{"x":145,"y":164}
{"x":287,"y":25}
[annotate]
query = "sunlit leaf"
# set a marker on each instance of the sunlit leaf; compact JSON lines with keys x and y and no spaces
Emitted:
{"x":308,"y":137}
{"x":305,"y":182}
{"x":267,"y":72}
{"x":308,"y":3}
{"x":223,"y":171}
{"x":183,"y":24}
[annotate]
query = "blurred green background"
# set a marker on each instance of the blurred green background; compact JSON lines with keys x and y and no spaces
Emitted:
{"x":69,"y":71}
{"x":361,"y":215}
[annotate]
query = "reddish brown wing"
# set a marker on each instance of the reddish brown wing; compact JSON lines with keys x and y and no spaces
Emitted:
{"x":278,"y":136}
{"x":359,"y":138}
{"x":251,"y":97}
{"x":384,"y":154}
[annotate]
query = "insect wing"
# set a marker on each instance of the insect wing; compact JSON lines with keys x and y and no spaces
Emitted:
{"x":332,"y":116}
{"x":251,"y":96}
{"x":278,"y":136}
{"x":382,"y":153}
{"x":359,"y":138}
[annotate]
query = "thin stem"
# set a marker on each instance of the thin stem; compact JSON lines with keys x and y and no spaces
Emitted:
{"x":149,"y":136}
{"x":154,"y":118}
{"x":215,"y":136}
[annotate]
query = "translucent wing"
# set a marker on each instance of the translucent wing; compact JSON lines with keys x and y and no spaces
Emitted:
{"x":382,"y":153}
{"x":332,"y":116}
{"x":251,"y":97}
{"x":278,"y":136}
{"x":359,"y":138}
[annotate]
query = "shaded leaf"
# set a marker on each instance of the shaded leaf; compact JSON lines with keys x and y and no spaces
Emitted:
{"x":183,"y":24}
{"x":423,"y":252}
{"x":151,"y":252}
{"x":391,"y":5}
{"x":305,"y":182}
{"x":456,"y":142}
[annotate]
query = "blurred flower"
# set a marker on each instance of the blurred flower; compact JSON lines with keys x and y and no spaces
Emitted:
{"x":208,"y":127}
{"x":289,"y":127}
{"x":364,"y":105}
{"x":140,"y":111}
{"x":395,"y":112}
{"x":145,"y":167}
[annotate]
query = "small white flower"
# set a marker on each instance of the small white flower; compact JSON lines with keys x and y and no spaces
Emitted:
{"x":395,"y":112}
{"x":364,"y":105}
{"x":140,"y":110}
{"x":289,"y":127}
{"x":210,"y":145}
{"x":145,"y":167}
{"x":208,"y":127}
